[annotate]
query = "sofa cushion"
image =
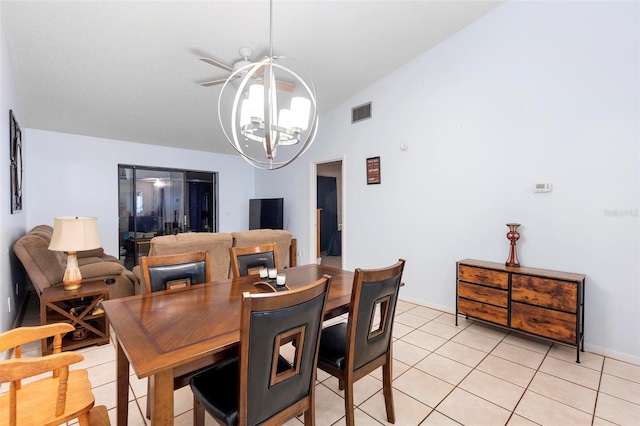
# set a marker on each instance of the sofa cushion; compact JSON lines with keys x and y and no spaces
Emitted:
{"x":88,"y":261}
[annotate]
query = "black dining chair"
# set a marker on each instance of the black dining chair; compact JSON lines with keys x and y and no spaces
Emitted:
{"x":249,"y":260}
{"x":351,"y":350}
{"x":173,"y":272}
{"x":265,"y":384}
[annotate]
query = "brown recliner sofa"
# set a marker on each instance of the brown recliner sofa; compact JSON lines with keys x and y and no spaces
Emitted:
{"x":46,"y":268}
{"x":219,"y":244}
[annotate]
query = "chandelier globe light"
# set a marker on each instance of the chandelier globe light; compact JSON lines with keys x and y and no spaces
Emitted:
{"x":268,"y":111}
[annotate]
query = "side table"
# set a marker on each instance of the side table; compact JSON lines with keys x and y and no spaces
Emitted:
{"x":77,"y":308}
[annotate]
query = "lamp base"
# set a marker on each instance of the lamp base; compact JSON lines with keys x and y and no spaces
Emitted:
{"x":72,"y":285}
{"x":72,"y":279}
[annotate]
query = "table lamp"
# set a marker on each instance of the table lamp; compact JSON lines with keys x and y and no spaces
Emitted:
{"x":73,"y":234}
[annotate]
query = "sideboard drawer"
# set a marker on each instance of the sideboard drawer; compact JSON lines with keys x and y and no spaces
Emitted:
{"x":545,"y":292}
{"x":483,"y":276}
{"x":482,"y":311}
{"x":544,"y":322}
{"x":483,"y":294}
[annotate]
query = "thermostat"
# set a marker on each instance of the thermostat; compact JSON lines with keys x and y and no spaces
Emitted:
{"x":542,"y":187}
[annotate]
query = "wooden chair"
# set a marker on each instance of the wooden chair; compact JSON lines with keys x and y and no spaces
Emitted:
{"x":175,"y":271}
{"x":249,"y":260}
{"x":351,"y":350}
{"x":52,"y":400}
{"x":262,"y":386}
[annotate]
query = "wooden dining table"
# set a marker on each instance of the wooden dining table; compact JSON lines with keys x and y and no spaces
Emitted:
{"x":168,"y":335}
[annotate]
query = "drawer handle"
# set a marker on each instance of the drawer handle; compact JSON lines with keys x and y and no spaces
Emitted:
{"x":481,"y":293}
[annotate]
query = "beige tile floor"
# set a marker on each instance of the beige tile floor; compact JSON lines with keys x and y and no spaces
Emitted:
{"x":473,"y":374}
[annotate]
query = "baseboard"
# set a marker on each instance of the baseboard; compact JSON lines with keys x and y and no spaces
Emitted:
{"x":17,"y":322}
{"x":23,"y":308}
{"x":442,"y":308}
{"x":620,"y":356}
{"x":599,"y":350}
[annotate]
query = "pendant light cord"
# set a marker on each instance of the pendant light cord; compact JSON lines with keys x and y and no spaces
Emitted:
{"x":271,"y":28}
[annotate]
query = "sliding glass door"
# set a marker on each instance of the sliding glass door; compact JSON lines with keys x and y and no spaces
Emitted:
{"x":159,"y":201}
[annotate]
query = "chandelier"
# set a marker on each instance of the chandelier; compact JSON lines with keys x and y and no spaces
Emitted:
{"x":273,"y":117}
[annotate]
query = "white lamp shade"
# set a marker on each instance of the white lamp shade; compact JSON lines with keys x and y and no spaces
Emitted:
{"x":300,"y":109}
{"x":75,"y":234}
{"x":285,"y":118}
{"x":256,"y":101}
{"x":245,"y":118}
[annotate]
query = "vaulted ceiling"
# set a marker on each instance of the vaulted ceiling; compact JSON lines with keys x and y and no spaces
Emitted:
{"x":129,"y":70}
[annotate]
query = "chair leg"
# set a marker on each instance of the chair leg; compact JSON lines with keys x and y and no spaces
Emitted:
{"x":198,"y":413}
{"x":348,"y":401}
{"x":149,"y":397}
{"x":387,"y":390}
{"x":310,"y":416}
{"x":310,"y":413}
{"x":83,"y":419}
{"x":98,"y":416}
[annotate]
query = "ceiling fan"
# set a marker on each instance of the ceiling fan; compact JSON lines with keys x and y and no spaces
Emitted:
{"x":245,"y":52}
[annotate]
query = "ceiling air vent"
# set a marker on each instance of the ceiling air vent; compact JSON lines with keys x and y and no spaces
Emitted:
{"x":361,"y":112}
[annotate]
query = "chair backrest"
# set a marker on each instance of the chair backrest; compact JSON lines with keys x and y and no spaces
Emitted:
{"x":249,"y":260}
{"x":175,"y":271}
{"x":371,"y":312}
{"x":273,"y":388}
{"x":48,"y":404}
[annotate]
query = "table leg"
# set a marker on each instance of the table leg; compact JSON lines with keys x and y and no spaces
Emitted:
{"x":122,"y":385}
{"x":162,"y":408}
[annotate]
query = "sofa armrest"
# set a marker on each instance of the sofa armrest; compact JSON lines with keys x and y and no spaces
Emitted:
{"x":140,"y":286}
{"x":91,"y":253}
{"x":100,"y":269}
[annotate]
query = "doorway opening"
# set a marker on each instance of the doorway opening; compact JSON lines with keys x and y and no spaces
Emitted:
{"x":160,"y":201}
{"x":329,"y":215}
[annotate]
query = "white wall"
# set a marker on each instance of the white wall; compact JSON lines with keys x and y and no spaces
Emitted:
{"x":532,"y":92}
{"x":12,"y":226}
{"x":71,"y":175}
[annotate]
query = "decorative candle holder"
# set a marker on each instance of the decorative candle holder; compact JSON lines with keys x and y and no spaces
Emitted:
{"x":263,"y":273}
{"x":513,"y":236}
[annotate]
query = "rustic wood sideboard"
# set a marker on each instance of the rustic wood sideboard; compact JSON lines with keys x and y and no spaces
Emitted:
{"x":540,"y":302}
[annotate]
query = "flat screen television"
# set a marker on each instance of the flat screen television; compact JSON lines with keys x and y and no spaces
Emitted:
{"x":266,"y":213}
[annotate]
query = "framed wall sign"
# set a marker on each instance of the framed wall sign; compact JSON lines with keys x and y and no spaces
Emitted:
{"x":373,"y":170}
{"x":15,"y":140}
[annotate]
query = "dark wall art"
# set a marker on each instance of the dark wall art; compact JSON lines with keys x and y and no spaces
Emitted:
{"x":373,"y":170}
{"x":16,"y":163}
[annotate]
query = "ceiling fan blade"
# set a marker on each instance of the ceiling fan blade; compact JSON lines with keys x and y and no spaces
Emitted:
{"x":212,"y":83}
{"x":286,"y":86}
{"x":259,"y":70}
{"x":217,"y":64}
{"x":282,"y":85}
